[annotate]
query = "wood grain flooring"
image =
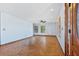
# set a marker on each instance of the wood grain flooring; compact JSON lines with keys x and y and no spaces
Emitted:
{"x":34,"y":46}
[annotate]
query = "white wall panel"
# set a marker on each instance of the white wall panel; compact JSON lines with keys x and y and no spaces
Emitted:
{"x":13,"y":28}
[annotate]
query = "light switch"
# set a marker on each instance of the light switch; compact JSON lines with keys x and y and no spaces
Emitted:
{"x":4,"y":29}
{"x":62,"y":28}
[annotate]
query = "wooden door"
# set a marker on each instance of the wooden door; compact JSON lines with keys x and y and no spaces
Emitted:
{"x":73,"y":50}
{"x":75,"y":38}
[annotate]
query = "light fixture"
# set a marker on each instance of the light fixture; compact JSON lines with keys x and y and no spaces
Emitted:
{"x":43,"y":21}
{"x":51,"y":9}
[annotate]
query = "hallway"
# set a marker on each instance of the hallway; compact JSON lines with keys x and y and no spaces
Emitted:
{"x":33,"y":46}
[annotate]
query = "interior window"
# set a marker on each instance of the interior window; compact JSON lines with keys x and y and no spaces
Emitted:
{"x":42,"y":29}
{"x":36,"y":29}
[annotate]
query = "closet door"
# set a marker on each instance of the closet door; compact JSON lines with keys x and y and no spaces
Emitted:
{"x":72,"y":44}
{"x":68,"y":28}
{"x":75,"y":35}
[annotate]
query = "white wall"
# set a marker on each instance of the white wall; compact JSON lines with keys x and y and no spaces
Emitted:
{"x":62,"y":34}
{"x":51,"y":28}
{"x":13,"y":28}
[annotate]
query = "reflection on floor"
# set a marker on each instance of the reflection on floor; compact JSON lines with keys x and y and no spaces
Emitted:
{"x":33,"y":46}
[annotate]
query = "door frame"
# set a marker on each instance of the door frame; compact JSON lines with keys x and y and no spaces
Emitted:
{"x":66,"y":29}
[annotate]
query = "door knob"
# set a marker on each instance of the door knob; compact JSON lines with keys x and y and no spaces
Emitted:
{"x":69,"y":30}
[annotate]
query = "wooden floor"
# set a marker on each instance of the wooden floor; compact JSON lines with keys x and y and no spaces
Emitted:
{"x":34,"y":46}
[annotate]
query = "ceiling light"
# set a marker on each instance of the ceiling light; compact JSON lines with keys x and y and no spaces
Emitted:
{"x":51,"y":9}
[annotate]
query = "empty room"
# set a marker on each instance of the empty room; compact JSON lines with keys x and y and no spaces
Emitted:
{"x":38,"y":29}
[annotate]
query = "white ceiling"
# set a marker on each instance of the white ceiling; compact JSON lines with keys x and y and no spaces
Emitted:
{"x":32,"y":11}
